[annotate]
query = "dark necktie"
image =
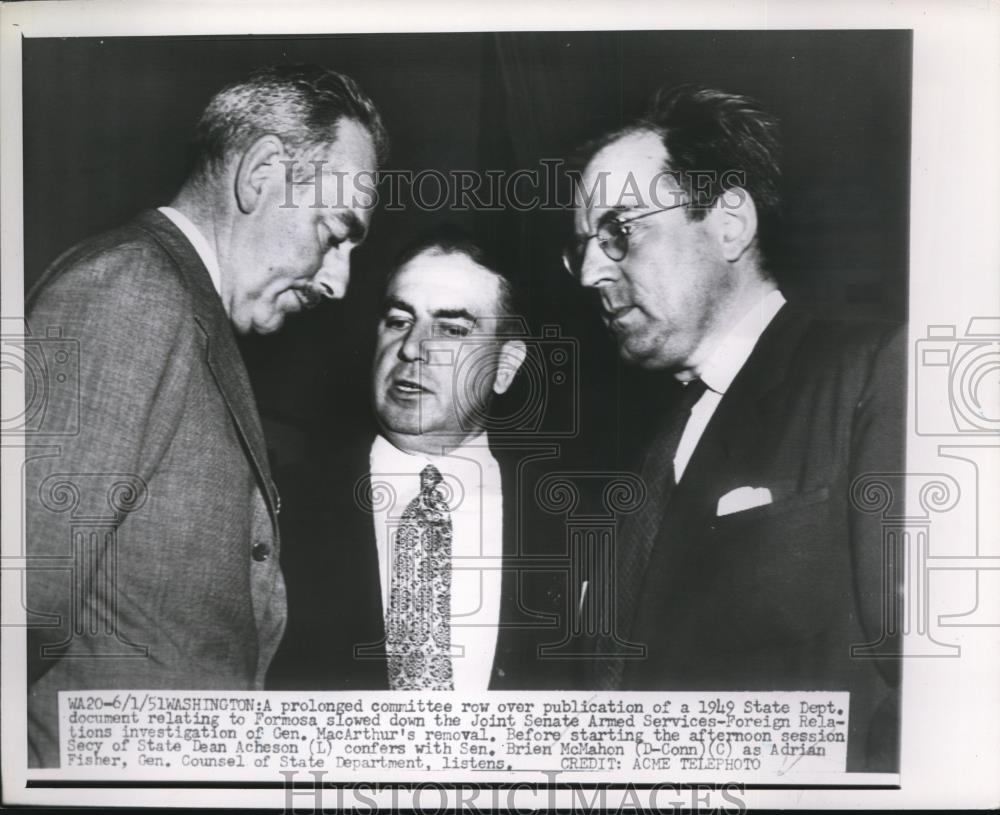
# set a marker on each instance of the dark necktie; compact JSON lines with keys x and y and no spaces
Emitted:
{"x":637,"y":532}
{"x":418,"y":623}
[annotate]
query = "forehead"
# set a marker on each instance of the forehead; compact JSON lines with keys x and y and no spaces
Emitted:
{"x":434,"y":281}
{"x":623,"y":170}
{"x":352,"y":151}
{"x":639,"y":152}
{"x":348,"y":165}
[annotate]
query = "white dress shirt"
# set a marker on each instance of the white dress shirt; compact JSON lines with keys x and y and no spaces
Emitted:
{"x":720,"y":370}
{"x":198,"y":241}
{"x":471,"y":484}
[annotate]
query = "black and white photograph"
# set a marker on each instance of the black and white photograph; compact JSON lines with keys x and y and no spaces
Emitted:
{"x":415,"y":409}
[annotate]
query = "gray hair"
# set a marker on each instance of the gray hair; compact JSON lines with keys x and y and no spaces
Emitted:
{"x":300,"y":104}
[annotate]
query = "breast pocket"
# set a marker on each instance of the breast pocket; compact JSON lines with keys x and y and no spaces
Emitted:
{"x":775,"y":509}
{"x":778,"y":567}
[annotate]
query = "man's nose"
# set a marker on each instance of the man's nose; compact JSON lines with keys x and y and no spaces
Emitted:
{"x":334,"y":275}
{"x":413,"y":347}
{"x":596,"y":268}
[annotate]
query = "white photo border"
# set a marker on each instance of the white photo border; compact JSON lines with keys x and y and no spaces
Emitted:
{"x":951,"y":711}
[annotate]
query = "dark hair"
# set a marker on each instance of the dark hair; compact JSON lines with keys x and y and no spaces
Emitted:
{"x":300,"y":104}
{"x":715,"y":141}
{"x":449,"y":239}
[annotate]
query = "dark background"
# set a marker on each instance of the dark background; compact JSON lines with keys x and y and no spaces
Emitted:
{"x":107,"y":123}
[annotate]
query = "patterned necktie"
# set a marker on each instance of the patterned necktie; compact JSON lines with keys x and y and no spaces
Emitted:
{"x":637,"y":532}
{"x":418,"y":625}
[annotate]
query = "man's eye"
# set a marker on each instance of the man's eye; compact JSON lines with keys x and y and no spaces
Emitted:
{"x":453,"y":331}
{"x":395,"y":323}
{"x":609,"y":232}
{"x":332,"y":236}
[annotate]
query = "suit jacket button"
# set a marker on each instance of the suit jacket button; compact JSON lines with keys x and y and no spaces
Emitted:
{"x":261,"y":552}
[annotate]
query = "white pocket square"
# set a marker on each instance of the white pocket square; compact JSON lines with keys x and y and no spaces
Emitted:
{"x":743,"y":498}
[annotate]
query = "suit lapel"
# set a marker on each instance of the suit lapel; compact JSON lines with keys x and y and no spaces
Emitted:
{"x":508,"y":579}
{"x":527,"y":599}
{"x":222,"y":354}
{"x":348,"y":591}
{"x":733,"y":436}
{"x":362,"y":617}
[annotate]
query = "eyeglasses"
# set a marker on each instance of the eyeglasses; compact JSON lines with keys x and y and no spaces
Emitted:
{"x":612,"y":237}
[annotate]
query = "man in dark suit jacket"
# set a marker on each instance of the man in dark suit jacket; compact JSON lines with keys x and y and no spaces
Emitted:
{"x":754,"y":564}
{"x":152,"y":519}
{"x":444,"y":351}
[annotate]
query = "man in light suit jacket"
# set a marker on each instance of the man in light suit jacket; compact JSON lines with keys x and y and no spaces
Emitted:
{"x":152,"y":530}
{"x":449,"y":341}
{"x":750,"y":567}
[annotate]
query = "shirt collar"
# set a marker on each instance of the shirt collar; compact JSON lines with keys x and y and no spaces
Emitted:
{"x":720,"y":369}
{"x":199,"y":242}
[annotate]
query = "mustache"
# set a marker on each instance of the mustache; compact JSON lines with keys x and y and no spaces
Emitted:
{"x":311,"y":294}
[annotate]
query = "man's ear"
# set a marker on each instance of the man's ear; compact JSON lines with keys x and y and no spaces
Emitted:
{"x":512,"y":354}
{"x":259,"y":164}
{"x":737,"y":221}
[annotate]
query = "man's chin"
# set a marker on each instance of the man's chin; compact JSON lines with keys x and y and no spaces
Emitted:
{"x":396,"y":418}
{"x":269,"y":323}
{"x":264,"y":330}
{"x":647,"y":356}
